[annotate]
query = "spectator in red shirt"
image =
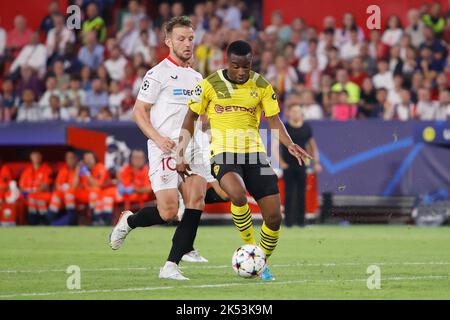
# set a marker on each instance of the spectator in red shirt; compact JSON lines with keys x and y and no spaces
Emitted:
{"x":357,"y":73}
{"x":20,"y":36}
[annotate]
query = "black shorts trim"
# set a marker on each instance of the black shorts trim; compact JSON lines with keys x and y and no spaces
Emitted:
{"x":254,"y":168}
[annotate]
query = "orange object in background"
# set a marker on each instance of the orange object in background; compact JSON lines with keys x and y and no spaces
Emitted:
{"x":31,"y":181}
{"x":312,"y":194}
{"x":138,"y":178}
{"x":64,"y":193}
{"x":8,"y":214}
{"x":92,"y":195}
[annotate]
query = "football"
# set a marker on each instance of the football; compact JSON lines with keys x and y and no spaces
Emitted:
{"x":248,"y":261}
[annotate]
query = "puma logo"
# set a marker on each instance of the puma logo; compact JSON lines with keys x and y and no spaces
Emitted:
{"x":221,"y":93}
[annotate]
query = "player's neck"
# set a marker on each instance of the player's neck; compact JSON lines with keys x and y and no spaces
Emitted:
{"x":177,"y":61}
{"x":226,"y":76}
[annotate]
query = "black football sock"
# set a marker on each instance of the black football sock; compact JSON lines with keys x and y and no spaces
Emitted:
{"x":145,"y":217}
{"x":212,"y":196}
{"x":183,"y":239}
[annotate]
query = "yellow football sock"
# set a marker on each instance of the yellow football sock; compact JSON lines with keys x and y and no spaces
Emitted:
{"x":269,"y":239}
{"x":242,"y":219}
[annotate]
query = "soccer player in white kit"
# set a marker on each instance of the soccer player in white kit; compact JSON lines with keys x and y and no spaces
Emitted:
{"x":159,"y":112}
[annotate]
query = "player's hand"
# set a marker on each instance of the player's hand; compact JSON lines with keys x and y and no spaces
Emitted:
{"x":183,"y":170}
{"x":317,"y":167}
{"x":165,"y":144}
{"x":299,"y":153}
{"x":84,"y":171}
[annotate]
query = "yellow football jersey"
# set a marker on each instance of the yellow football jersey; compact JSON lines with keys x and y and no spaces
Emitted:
{"x":234,"y":111}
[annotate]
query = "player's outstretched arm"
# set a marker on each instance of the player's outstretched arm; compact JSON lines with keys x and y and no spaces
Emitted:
{"x":294,"y":149}
{"x":141,"y":115}
{"x":186,"y":132}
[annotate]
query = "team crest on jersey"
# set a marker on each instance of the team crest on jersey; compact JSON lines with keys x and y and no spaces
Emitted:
{"x":164,"y":178}
{"x":145,"y":85}
{"x":216,"y":169}
{"x":254,"y":94}
{"x":198,"y":90}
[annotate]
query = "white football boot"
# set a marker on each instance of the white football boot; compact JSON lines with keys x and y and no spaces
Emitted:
{"x":120,"y":231}
{"x":171,"y":271}
{"x":193,"y":256}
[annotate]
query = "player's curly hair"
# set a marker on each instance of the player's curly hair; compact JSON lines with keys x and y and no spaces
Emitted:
{"x":183,"y":21}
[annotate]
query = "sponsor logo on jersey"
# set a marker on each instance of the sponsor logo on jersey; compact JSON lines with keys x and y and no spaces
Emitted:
{"x":183,"y":92}
{"x":221,"y":109}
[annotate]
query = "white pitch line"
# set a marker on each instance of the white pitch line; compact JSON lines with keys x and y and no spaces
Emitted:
{"x":206,"y":286}
{"x":327,"y":264}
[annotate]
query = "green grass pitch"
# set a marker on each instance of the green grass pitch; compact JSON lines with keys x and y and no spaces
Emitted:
{"x":319,"y":262}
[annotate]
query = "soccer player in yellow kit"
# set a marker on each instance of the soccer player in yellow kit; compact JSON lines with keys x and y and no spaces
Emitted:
{"x":233,"y":100}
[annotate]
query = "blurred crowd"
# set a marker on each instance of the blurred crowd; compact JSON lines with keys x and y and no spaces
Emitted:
{"x":337,"y":71}
{"x":56,"y":194}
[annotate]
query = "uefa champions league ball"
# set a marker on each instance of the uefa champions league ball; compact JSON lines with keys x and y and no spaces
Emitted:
{"x":248,"y":261}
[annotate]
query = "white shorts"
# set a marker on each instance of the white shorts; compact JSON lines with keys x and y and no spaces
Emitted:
{"x":163,"y":174}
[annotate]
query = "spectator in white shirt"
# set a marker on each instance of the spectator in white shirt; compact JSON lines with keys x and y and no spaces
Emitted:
{"x":393,"y":32}
{"x":384,"y":78}
{"x":394,"y":94}
{"x":54,"y":111}
{"x":52,"y":90}
{"x":229,"y":13}
{"x":144,"y":47}
{"x":115,"y":98}
{"x":311,"y":110}
{"x":115,"y":65}
{"x":59,"y":36}
{"x":29,"y":110}
{"x":343,"y":35}
{"x":326,"y":41}
{"x":282,"y":76}
{"x":127,"y":38}
{"x":134,"y":12}
{"x":304,"y":64}
{"x":443,"y":111}
{"x":403,"y":110}
{"x":74,"y":97}
{"x":351,"y":48}
{"x":426,"y":109}
{"x":415,"y":28}
{"x":33,"y":55}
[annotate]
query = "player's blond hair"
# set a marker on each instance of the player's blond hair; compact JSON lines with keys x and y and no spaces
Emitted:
{"x":182,"y":21}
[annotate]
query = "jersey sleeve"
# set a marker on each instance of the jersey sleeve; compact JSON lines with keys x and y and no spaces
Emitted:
{"x":269,"y":102}
{"x":150,"y":88}
{"x":200,"y":98}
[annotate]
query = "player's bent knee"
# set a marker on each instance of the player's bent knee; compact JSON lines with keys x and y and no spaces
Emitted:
{"x":238,"y":198}
{"x":198,"y":203}
{"x":168,"y":213}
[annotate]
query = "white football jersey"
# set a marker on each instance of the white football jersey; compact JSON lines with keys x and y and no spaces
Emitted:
{"x":168,"y":87}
